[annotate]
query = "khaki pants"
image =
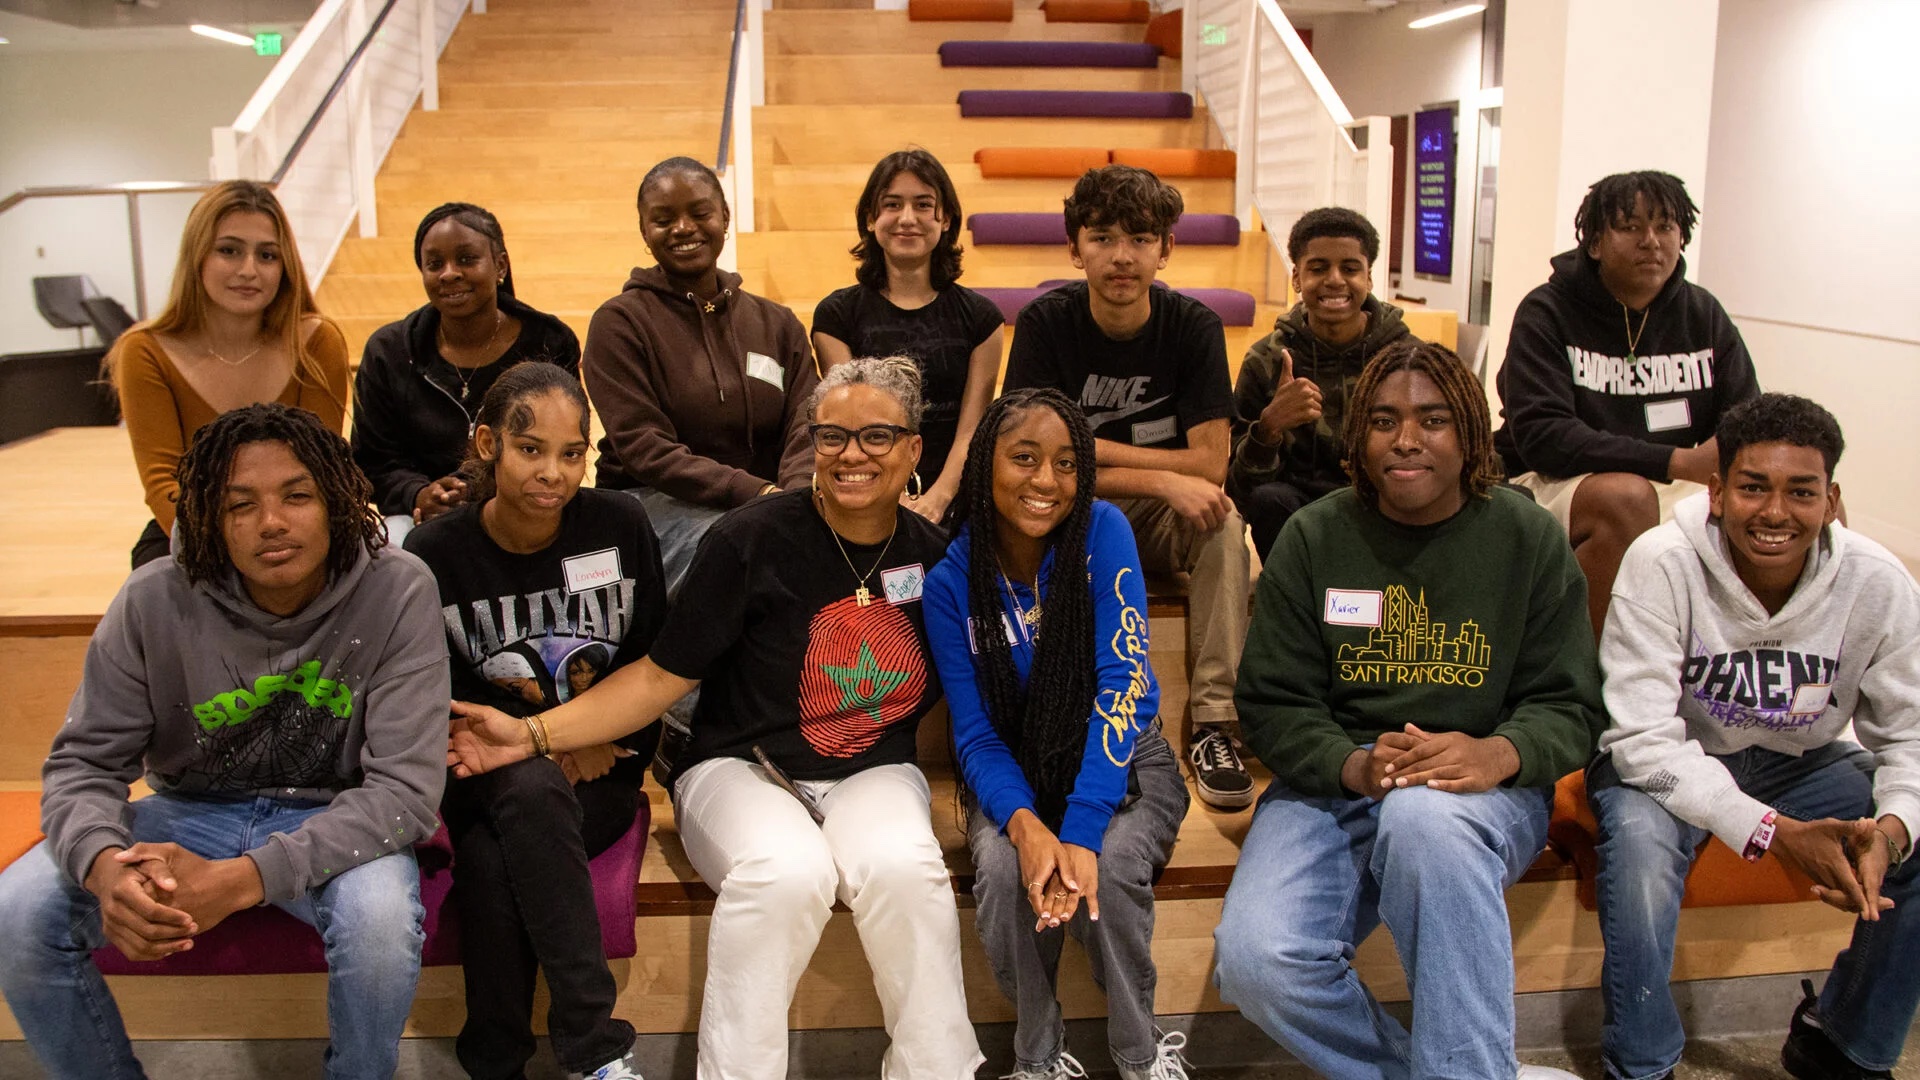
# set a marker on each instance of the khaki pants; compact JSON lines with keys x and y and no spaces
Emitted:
{"x":1217,"y":566}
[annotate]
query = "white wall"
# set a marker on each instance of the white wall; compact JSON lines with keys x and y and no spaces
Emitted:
{"x":1814,"y":228}
{"x":1381,"y":67}
{"x":95,"y":117}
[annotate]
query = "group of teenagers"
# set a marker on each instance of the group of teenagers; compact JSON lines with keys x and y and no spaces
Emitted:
{"x":795,"y":549}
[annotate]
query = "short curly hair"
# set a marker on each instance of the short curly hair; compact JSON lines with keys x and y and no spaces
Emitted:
{"x":1124,"y":196}
{"x":896,"y":376}
{"x":1781,"y":418}
{"x":1332,"y":221}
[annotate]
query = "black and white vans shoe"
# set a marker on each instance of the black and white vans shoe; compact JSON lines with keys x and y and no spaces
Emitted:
{"x":1218,"y":770}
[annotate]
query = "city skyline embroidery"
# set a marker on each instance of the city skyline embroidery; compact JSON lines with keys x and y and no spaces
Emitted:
{"x":1408,"y":647}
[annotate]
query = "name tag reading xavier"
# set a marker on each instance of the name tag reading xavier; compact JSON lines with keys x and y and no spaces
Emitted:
{"x":1353,"y":607}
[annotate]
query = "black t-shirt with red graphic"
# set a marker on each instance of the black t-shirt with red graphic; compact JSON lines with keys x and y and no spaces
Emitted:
{"x":788,"y":659}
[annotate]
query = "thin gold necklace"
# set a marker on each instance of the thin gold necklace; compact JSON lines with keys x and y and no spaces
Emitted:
{"x":465,"y":375}
{"x":1633,"y":339}
{"x":862,"y":595}
{"x":1031,"y":619}
{"x":235,"y":363}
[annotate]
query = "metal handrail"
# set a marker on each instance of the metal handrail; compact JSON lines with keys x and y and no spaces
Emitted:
{"x":333,"y":91}
{"x":733,"y":75}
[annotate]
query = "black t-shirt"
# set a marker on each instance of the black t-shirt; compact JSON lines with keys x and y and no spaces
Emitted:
{"x":788,"y":660}
{"x":529,"y":632}
{"x":940,"y":338}
{"x":1149,"y":390}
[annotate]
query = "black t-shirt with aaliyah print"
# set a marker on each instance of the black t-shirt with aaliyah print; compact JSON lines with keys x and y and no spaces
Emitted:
{"x":530,"y":632}
{"x":789,"y":660}
{"x":1149,"y":390}
{"x":940,"y":338}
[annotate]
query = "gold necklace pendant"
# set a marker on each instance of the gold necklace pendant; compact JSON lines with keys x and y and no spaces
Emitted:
{"x":861,"y":596}
{"x":711,"y":308}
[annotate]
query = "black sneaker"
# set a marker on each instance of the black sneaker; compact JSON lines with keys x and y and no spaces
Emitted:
{"x":1217,"y":768}
{"x":1809,"y":1055}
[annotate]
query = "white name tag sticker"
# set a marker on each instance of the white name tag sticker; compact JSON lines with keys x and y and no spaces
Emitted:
{"x":902,"y":584}
{"x":764,"y":368}
{"x":1811,"y":699}
{"x":1354,"y":607}
{"x":588,"y":572}
{"x":1669,"y":415}
{"x":1156,"y":431}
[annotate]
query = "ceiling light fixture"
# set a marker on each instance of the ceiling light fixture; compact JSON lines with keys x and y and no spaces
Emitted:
{"x":218,"y":34}
{"x":1446,"y":16}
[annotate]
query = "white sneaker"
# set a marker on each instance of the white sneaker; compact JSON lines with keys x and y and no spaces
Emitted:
{"x":1545,"y":1072}
{"x":1168,"y":1063}
{"x":620,"y":1068}
{"x":1064,"y":1067}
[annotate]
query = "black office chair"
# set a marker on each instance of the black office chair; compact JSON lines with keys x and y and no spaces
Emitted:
{"x":107,"y":317}
{"x":61,"y":301}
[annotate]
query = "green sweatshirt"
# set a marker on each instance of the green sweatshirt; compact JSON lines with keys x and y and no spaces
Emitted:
{"x":1362,"y":625}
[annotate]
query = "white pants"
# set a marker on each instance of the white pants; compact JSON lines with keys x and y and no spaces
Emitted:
{"x":777,"y":875}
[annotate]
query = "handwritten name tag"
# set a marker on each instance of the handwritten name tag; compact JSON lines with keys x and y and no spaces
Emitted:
{"x":1811,"y":699}
{"x":767,"y":370}
{"x":902,"y":584}
{"x":585,"y":572}
{"x":1353,"y":607}
{"x":1668,"y":415}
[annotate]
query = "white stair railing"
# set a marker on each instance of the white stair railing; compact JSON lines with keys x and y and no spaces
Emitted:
{"x":1294,"y":139}
{"x":323,"y":120}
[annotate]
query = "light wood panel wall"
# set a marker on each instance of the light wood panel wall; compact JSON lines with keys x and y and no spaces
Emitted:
{"x":803,"y":33}
{"x":918,"y":78}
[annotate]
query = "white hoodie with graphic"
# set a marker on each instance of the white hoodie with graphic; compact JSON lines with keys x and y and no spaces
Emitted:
{"x":1694,"y":666}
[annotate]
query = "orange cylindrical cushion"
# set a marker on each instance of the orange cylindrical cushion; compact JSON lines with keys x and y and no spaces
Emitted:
{"x":1107,"y":11}
{"x":960,"y":10}
{"x":1179,"y":161}
{"x":1164,"y":30}
{"x":19,"y":824}
{"x":1038,"y":161}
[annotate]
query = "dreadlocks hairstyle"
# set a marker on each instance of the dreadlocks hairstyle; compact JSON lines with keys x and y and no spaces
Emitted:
{"x":675,"y":166}
{"x":207,"y":466}
{"x":1046,"y":724}
{"x":945,"y":265}
{"x":1122,"y":195}
{"x":507,"y":409}
{"x":477,"y":218}
{"x":1611,"y":199}
{"x":1336,"y":221}
{"x":1479,"y":466}
{"x":1781,"y":418}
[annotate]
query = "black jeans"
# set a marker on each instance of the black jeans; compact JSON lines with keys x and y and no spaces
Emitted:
{"x":1266,"y":507}
{"x":152,"y":544}
{"x":522,"y":836}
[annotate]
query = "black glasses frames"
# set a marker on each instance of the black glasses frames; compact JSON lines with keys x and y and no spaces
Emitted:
{"x":876,"y":440}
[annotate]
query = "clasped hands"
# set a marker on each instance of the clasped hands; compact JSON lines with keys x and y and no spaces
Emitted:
{"x":1057,"y":876}
{"x":1448,"y":761}
{"x":155,"y":898}
{"x":1847,"y":860}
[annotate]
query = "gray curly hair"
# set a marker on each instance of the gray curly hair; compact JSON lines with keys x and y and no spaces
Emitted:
{"x":895,"y":376}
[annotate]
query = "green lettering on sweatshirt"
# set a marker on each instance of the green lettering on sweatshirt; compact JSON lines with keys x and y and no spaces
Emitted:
{"x":237,"y":706}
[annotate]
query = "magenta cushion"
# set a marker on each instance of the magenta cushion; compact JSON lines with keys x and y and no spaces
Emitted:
{"x":1134,"y":103}
{"x":268,"y":941}
{"x":1234,"y":307}
{"x":1029,"y":227}
{"x":1102,"y":54}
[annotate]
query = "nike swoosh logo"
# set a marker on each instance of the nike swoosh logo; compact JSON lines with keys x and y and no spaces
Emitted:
{"x":1100,"y":419}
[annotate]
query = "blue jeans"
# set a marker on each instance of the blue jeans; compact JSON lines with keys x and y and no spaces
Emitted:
{"x":1316,"y":875}
{"x":1645,"y":854}
{"x":370,"y":918}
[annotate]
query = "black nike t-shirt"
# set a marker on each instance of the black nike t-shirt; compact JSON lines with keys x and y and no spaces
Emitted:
{"x":528,"y":632}
{"x":940,"y":338}
{"x":1148,"y":390}
{"x":789,"y":660}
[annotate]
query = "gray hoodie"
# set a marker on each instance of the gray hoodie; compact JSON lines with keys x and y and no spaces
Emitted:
{"x":1694,"y":666}
{"x":344,"y":703}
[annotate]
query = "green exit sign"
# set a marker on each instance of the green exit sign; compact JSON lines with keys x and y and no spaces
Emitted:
{"x":1210,"y":34}
{"x":266,"y":44}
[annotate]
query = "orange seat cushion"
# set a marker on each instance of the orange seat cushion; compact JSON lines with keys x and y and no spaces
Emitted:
{"x":1179,"y":162}
{"x":1164,"y":30}
{"x":1720,"y":877}
{"x":960,"y":10}
{"x":1103,"y":11}
{"x":19,"y":824}
{"x":1030,"y":161}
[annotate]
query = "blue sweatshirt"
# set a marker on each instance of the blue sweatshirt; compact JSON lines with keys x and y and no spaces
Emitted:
{"x":1126,"y":699}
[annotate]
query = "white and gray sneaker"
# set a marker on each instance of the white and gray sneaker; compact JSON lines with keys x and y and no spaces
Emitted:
{"x":620,"y":1068}
{"x":1545,"y":1072}
{"x":1217,"y":769}
{"x":1169,"y":1061}
{"x":1064,"y":1067}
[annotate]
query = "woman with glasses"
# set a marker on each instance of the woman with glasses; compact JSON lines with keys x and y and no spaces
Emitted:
{"x":800,"y":621}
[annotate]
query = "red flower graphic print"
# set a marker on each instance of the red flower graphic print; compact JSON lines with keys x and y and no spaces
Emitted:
{"x":864,"y":672}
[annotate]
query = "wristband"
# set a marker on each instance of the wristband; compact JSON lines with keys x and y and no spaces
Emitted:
{"x":1761,"y":840}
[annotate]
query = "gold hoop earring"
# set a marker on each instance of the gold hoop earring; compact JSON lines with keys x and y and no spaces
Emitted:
{"x":815,"y":481}
{"x":918,"y":489}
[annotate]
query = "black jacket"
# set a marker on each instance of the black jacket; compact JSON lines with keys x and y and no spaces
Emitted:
{"x":409,"y":427}
{"x":1572,"y":402}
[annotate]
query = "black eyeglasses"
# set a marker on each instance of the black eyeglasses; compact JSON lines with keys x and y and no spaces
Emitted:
{"x":876,"y":440}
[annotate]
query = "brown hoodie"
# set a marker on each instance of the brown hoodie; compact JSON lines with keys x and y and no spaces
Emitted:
{"x":687,"y":410}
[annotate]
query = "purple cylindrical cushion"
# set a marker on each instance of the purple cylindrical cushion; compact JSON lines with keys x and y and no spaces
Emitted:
{"x":1234,"y":307}
{"x":1147,"y":104}
{"x":1051,"y":228}
{"x":1093,"y":54}
{"x":1009,"y":301}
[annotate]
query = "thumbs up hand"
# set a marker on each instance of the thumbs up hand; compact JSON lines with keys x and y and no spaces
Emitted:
{"x":1296,"y":401}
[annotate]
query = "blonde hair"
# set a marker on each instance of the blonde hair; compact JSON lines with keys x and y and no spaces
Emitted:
{"x":187,"y":303}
